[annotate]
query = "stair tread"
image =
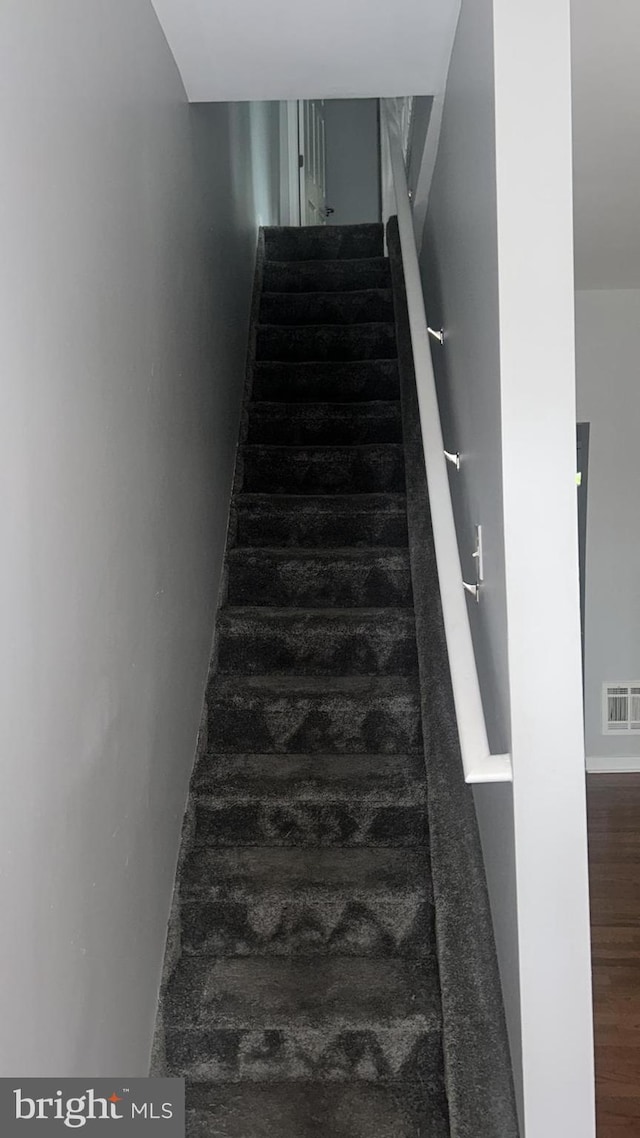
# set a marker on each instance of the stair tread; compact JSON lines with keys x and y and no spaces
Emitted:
{"x":270,"y":615}
{"x":328,"y":367}
{"x":290,"y":714}
{"x":325,"y":447}
{"x":351,"y":330}
{"x":373,"y":501}
{"x":334,"y":242}
{"x":273,"y":993}
{"x":351,"y":307}
{"x":275,"y":869}
{"x":329,"y":294}
{"x":302,"y":521}
{"x":337,"y":552}
{"x":371,"y":261}
{"x":329,"y":407}
{"x":333,"y":405}
{"x":365,"y":367}
{"x":369,"y":340}
{"x":311,"y":776}
{"x":335,"y":900}
{"x":311,"y":685}
{"x":326,"y":468}
{"x":337,"y":380}
{"x":315,"y":1110}
{"x":324,"y":423}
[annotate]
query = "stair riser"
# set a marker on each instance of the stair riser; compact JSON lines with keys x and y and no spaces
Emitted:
{"x":323,"y":242}
{"x":327,"y":342}
{"x":308,"y":582}
{"x":331,"y":722}
{"x":361,"y":925}
{"x":358,"y":381}
{"x":293,"y":824}
{"x":257,"y":645}
{"x":325,"y":276}
{"x":326,"y":308}
{"x":297,"y":524}
{"x":374,"y":1054}
{"x":294,"y":424}
{"x":374,"y":469}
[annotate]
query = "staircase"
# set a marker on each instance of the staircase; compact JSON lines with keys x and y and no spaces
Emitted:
{"x":305,"y":1000}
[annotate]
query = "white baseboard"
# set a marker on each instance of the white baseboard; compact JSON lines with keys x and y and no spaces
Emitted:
{"x":625,"y":764}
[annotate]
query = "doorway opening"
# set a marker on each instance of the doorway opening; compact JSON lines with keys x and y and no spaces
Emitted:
{"x":329,"y":162}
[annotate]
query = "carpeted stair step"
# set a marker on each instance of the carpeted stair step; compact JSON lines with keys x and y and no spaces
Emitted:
{"x":372,"y":776}
{"x":352,"y":307}
{"x":316,"y":1110}
{"x":340,"y":382}
{"x":368,"y":469}
{"x":339,"y":342}
{"x":352,"y":714}
{"x":325,"y":521}
{"x":319,"y":578}
{"x":323,"y":242}
{"x":329,"y":1018}
{"x":290,"y":799}
{"x":317,"y":424}
{"x":286,"y":902}
{"x":317,"y":800}
{"x":331,"y":817}
{"x":326,"y":276}
{"x":316,"y":823}
{"x":261,"y":641}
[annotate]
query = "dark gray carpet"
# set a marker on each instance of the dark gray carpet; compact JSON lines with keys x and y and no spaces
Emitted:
{"x":302,"y":993}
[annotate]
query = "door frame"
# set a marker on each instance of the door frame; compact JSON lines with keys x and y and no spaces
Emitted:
{"x":306,"y":215}
{"x":582,"y":450}
{"x":289,"y":163}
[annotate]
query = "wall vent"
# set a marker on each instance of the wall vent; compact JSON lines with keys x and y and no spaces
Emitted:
{"x":621,"y":708}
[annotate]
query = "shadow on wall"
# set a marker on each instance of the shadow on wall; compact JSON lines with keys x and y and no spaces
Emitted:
{"x":252,"y":144}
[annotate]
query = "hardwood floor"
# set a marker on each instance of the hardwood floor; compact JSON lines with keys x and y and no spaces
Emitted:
{"x":614,"y":858}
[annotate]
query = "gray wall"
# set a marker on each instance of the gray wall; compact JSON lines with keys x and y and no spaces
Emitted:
{"x":608,"y":367}
{"x":129,"y":232}
{"x":460,"y":275}
{"x":353,"y":165}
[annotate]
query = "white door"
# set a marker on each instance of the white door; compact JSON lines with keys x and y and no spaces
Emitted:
{"x":311,"y":138}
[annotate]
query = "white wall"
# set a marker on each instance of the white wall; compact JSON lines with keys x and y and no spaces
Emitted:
{"x":499,"y":238}
{"x":353,"y":163}
{"x":124,"y":299}
{"x":608,"y":365}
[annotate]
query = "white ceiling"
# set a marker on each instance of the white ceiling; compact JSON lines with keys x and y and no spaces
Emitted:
{"x":285,"y":49}
{"x":606,"y":114}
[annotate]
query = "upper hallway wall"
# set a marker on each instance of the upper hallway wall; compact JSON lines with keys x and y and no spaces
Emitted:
{"x":353,"y":160}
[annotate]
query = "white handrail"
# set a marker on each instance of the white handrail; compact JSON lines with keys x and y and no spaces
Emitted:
{"x":478,"y":762}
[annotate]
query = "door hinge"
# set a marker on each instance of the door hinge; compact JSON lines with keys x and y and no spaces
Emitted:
{"x":300,"y":161}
